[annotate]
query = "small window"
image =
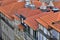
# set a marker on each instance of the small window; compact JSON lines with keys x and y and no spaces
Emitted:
{"x":27,"y":28}
{"x":35,"y":34}
{"x":41,"y":27}
{"x":55,"y":34}
{"x":40,"y":36}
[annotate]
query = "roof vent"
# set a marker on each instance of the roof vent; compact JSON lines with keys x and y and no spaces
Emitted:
{"x":51,"y":5}
{"x":43,"y":8}
{"x":29,"y":4}
{"x":55,"y":9}
{"x":32,"y":6}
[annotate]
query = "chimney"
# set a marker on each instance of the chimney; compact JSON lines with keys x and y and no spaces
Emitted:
{"x":28,"y":2}
{"x":51,"y":5}
{"x":43,"y":6}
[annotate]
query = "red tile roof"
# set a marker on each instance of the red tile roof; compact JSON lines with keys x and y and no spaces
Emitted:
{"x":48,"y":19}
{"x":4,"y":2}
{"x":21,"y":27}
{"x":26,"y":12}
{"x":31,"y":21}
{"x":10,"y":10}
{"x":57,"y":4}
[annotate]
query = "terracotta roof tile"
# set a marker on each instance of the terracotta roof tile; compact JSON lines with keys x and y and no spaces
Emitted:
{"x":4,"y":2}
{"x":57,"y":4}
{"x":31,"y":21}
{"x":48,"y":19}
{"x":11,"y":9}
{"x":26,"y":12}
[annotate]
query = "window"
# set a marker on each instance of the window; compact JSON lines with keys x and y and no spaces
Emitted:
{"x":54,"y":34}
{"x":35,"y":34}
{"x":2,"y":15}
{"x":31,"y":31}
{"x":43,"y":33}
{"x":27,"y":28}
{"x":46,"y":32}
{"x":41,"y":27}
{"x":40,"y":36}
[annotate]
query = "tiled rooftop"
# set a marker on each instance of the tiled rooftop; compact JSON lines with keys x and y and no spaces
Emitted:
{"x":29,"y":12}
{"x":5,"y":2}
{"x":31,"y":21}
{"x":10,"y":10}
{"x":49,"y":19}
{"x":55,"y":3}
{"x":33,"y":16}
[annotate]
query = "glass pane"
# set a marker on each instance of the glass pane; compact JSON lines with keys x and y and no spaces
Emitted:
{"x":34,"y":34}
{"x":31,"y":31}
{"x":41,"y":36}
{"x":55,"y":34}
{"x":45,"y":31}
